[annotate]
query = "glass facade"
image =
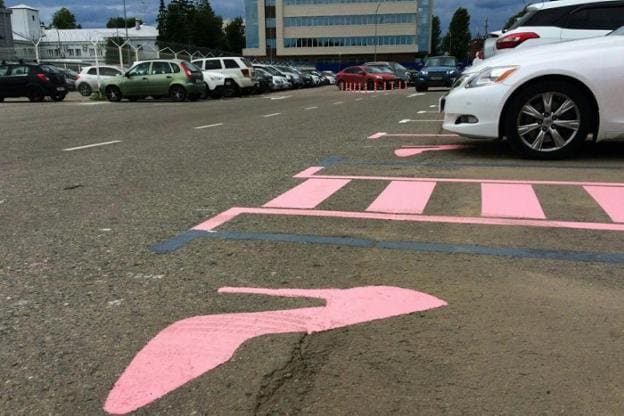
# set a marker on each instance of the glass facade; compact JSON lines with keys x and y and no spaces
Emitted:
{"x":351,"y":41}
{"x":424,"y":25}
{"x":365,"y":19}
{"x":252,"y":28}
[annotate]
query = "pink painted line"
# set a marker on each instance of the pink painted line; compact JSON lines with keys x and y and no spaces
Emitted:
{"x":376,"y":136}
{"x":510,"y":201}
{"x":610,"y":199}
{"x":417,"y":150}
{"x":309,"y":194}
{"x":206,"y":226}
{"x":192,"y":347}
{"x":309,"y":172}
{"x":403,"y":198}
{"x":458,"y":180}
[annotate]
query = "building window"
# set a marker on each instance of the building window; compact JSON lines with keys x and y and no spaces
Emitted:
{"x":366,"y":19}
{"x":353,"y":41}
{"x":251,"y":24}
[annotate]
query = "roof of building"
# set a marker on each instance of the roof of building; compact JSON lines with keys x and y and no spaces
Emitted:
{"x":22,"y":6}
{"x":87,"y":35}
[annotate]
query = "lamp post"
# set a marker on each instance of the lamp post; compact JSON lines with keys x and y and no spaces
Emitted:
{"x":376,"y":24}
{"x":126,"y":27}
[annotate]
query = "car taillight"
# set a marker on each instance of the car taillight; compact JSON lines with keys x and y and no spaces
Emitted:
{"x":245,"y":72}
{"x":43,"y":77}
{"x":187,"y":71}
{"x":77,"y":77}
{"x":515,"y":39}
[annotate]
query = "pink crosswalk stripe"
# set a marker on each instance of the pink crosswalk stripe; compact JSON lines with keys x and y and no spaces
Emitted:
{"x":309,"y":194}
{"x":510,"y":201}
{"x":610,"y":199}
{"x":403,"y":198}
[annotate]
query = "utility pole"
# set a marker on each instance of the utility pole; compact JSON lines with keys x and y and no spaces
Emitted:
{"x":126,"y":27}
{"x":376,"y":24}
{"x":486,"y":27}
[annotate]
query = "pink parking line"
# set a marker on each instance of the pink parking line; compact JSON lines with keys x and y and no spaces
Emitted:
{"x":220,"y":219}
{"x":403,"y":198}
{"x":309,"y":194}
{"x":304,"y":175}
{"x":510,"y":201}
{"x":610,"y":199}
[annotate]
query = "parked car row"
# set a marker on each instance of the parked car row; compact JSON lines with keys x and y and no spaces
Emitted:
{"x":22,"y":79}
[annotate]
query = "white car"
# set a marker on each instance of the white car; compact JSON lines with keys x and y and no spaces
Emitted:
{"x":557,"y":21}
{"x":280,"y":82}
{"x":238,"y":71}
{"x":87,"y":80}
{"x":215,"y":83}
{"x":545,"y":100}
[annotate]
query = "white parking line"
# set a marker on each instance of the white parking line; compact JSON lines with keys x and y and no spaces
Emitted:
{"x":70,"y":149}
{"x":92,"y":103}
{"x":338,"y":103}
{"x":359,"y":99}
{"x":407,"y":120}
{"x":281,"y":98}
{"x":271,"y":115}
{"x":432,"y":106}
{"x":208,"y":126}
{"x":310,"y":108}
{"x":426,"y":112}
{"x":418,"y":94}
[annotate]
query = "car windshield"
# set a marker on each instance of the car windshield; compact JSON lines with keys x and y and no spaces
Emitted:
{"x":442,"y":61}
{"x":617,"y":32}
{"x":381,"y":68}
{"x":272,"y":71}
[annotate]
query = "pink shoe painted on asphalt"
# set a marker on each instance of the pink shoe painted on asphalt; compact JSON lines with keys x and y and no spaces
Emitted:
{"x":191,"y":347}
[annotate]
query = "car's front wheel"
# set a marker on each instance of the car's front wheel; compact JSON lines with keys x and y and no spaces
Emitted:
{"x":113,"y":94}
{"x":35,"y":95}
{"x":177,"y":93}
{"x":85,"y":89}
{"x":549,"y":120}
{"x":58,"y":97}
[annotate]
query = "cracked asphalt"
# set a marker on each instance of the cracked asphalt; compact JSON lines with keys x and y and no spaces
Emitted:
{"x":535,"y":317}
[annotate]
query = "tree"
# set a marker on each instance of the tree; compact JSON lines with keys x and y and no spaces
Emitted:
{"x":207,"y":27}
{"x":436,"y":36}
{"x":64,"y":19}
{"x":1,"y":4}
{"x":235,"y":35}
{"x":457,"y":40}
{"x":190,"y":23}
{"x":118,"y":22}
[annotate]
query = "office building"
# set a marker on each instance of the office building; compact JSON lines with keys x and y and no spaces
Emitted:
{"x":338,"y":30}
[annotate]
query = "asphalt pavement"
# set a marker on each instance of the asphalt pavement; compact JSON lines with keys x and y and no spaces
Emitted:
{"x":119,"y":221}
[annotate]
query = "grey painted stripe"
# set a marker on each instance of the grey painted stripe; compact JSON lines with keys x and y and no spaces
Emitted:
{"x":523,"y":253}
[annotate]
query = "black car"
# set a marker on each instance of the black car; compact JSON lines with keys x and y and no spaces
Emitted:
{"x":264,"y":80}
{"x":30,"y":80}
{"x":439,"y":71}
{"x":70,"y":76}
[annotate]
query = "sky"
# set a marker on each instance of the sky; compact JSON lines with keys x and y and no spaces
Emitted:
{"x":95,"y":13}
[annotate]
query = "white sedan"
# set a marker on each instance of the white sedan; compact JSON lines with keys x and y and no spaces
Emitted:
{"x":545,"y":100}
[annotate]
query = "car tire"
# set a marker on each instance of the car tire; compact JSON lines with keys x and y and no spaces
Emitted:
{"x":231,"y":90}
{"x":1,"y":99}
{"x":58,"y":97}
{"x":35,"y":95}
{"x":177,"y":93}
{"x":422,"y":88}
{"x":113,"y":94}
{"x":85,"y":89}
{"x":548,"y":120}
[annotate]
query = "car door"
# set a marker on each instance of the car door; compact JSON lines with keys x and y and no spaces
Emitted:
{"x":137,"y":80}
{"x":5,"y":85}
{"x":593,"y":20}
{"x":160,"y":78}
{"x":17,"y":80}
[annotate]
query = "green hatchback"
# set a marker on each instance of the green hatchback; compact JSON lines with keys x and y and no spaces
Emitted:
{"x":161,"y":78}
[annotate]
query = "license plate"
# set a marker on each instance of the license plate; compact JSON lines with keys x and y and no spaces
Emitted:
{"x":60,"y":88}
{"x":436,"y":78}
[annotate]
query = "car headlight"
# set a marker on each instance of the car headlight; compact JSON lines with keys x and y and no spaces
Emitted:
{"x":378,"y":77}
{"x":491,"y":76}
{"x":424,"y":72}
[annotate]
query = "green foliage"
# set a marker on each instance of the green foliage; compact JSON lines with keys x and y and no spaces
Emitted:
{"x":194,"y":23}
{"x":1,"y":4}
{"x":457,"y":40}
{"x":235,"y":35}
{"x":436,"y":36}
{"x":118,"y":22}
{"x":64,"y":19}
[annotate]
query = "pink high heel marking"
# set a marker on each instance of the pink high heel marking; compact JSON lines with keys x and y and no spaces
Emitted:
{"x":191,"y":347}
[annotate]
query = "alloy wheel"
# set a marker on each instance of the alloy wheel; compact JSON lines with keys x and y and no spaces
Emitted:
{"x":548,"y":122}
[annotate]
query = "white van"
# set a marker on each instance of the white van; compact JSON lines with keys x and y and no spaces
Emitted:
{"x":238,"y":71}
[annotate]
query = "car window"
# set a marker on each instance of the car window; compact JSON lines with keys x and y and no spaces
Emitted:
{"x":547,"y":17}
{"x":246,"y":63}
{"x":92,"y":71}
{"x":212,"y":64}
{"x":19,"y":70}
{"x":161,"y":68}
{"x":230,"y":63}
{"x":192,"y":67}
{"x":597,"y":18}
{"x":442,"y":61}
{"x":3,"y":70}
{"x":618,"y":32}
{"x":109,"y":72}
{"x":140,"y":69}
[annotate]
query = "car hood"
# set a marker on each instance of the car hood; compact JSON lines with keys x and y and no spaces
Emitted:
{"x":552,"y":52}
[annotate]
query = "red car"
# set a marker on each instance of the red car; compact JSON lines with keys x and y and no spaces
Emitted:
{"x":365,"y":77}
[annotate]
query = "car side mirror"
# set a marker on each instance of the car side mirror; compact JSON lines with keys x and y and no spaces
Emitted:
{"x":127,"y":75}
